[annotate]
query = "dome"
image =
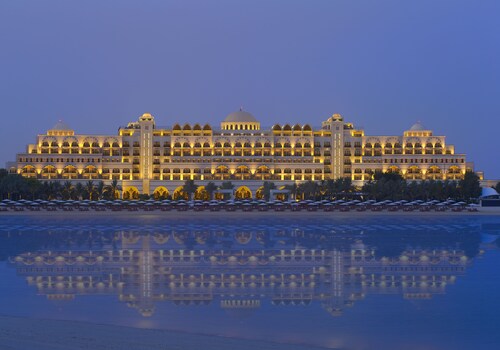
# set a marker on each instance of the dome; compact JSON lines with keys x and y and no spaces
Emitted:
{"x":418,"y":127}
{"x":60,"y":125}
{"x":240,"y":116}
{"x":146,"y":117}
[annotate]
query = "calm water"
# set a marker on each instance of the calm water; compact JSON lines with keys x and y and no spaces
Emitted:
{"x":387,"y":283}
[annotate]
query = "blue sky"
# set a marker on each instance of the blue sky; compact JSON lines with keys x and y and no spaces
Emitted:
{"x":382,"y":64}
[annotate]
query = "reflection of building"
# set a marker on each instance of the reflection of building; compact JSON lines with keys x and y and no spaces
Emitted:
{"x":240,"y":271}
{"x":151,"y":159}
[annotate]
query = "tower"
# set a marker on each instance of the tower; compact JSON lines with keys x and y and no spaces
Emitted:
{"x":147,"y":125}
{"x":336,"y":125}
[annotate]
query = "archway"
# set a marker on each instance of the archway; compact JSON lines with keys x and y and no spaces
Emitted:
{"x":243,"y":192}
{"x":201,"y":194}
{"x":221,"y":172}
{"x":434,"y":173}
{"x":69,"y":172}
{"x":160,"y":193}
{"x":90,"y":172}
{"x":413,"y":173}
{"x":49,"y":172}
{"x":263,"y":172}
{"x":453,"y":173}
{"x":29,"y":171}
{"x":131,"y":193}
{"x":259,"y":194}
{"x":393,"y":169}
{"x":179,"y":193}
{"x":242,"y":172}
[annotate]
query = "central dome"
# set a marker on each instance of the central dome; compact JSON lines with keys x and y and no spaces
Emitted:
{"x":240,"y":120}
{"x":240,"y":116}
{"x":60,"y":125}
{"x":417,"y":127}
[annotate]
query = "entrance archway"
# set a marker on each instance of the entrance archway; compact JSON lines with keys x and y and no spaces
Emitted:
{"x":131,"y":193}
{"x":201,"y":194}
{"x":243,"y":192}
{"x":259,"y":194}
{"x":160,"y":192}
{"x":180,"y":194}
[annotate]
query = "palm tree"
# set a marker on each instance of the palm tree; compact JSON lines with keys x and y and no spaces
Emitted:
{"x":309,"y":189}
{"x":113,"y":189}
{"x":189,"y":187}
{"x":67,"y":189}
{"x":90,"y":188}
{"x":211,"y":188}
{"x":226,"y":185}
{"x":293,"y":190}
{"x":268,"y":186}
{"x":100,"y":190}
{"x":55,"y":190}
{"x":13,"y":185}
{"x":33,"y":186}
{"x":79,"y":190}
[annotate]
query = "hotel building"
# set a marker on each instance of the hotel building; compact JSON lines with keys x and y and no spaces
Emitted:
{"x":147,"y":158}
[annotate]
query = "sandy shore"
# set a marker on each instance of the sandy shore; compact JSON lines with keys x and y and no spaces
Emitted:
{"x":18,"y":333}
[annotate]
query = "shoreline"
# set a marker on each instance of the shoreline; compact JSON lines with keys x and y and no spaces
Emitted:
{"x":21,"y":333}
{"x":239,"y":213}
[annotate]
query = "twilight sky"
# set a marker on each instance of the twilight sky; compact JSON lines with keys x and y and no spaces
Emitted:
{"x":381,"y":64}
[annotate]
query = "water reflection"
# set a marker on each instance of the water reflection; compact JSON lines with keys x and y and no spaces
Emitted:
{"x":241,"y":269}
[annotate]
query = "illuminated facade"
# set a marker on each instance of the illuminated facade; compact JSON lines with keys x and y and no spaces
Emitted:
{"x":146,"y":158}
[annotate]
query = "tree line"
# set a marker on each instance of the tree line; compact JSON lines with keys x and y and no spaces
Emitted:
{"x":392,"y":186}
{"x":384,"y":186}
